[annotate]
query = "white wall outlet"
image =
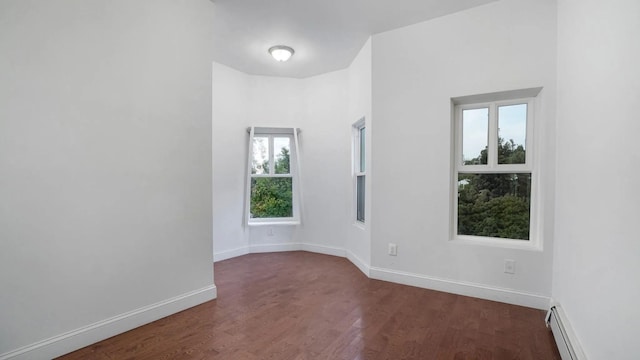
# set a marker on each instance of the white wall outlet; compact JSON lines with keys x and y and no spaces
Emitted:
{"x":393,"y":249}
{"x":509,"y":266}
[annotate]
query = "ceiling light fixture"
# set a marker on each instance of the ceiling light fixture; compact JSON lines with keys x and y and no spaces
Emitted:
{"x":281,"y":52}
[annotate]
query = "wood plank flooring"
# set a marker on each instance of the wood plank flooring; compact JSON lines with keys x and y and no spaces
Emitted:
{"x":301,"y":305}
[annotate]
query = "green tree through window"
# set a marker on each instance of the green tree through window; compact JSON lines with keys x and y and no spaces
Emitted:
{"x":271,"y":197}
{"x":495,"y":204}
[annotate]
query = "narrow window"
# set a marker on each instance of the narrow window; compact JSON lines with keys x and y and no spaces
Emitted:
{"x":272,"y":195}
{"x":359,"y":161}
{"x":493,"y":187}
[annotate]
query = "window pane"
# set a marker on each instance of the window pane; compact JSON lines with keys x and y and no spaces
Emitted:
{"x":281,"y":149}
{"x":512,"y":134}
{"x":362,"y":151}
{"x":260,"y":158}
{"x":475,"y":136}
{"x":495,"y":205}
{"x":271,"y":197}
{"x":360,"y":198}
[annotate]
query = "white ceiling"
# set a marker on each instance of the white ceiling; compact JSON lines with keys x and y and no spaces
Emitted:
{"x":326,"y":34}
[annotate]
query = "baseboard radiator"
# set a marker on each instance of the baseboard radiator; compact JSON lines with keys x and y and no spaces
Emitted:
{"x":567,"y":348}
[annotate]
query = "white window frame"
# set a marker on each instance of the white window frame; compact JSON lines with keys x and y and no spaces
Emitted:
{"x":294,"y":174}
{"x":493,"y":102}
{"x":357,"y":170}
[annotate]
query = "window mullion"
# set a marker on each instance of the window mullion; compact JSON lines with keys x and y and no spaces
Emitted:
{"x":272,"y":169}
{"x":358,"y":149}
{"x":492,"y":153}
{"x":458,"y":133}
{"x":529,"y":135}
{"x":271,"y":176}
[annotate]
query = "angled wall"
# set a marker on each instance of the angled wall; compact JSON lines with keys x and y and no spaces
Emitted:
{"x":230,"y":121}
{"x":316,"y":105}
{"x":324,"y":107}
{"x":358,"y":241}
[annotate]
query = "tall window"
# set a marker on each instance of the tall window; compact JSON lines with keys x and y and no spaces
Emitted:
{"x":494,"y":170}
{"x":272,"y":193}
{"x":359,"y":171}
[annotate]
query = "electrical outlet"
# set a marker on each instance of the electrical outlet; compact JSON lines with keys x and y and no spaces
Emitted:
{"x":393,"y":249}
{"x":509,"y":266}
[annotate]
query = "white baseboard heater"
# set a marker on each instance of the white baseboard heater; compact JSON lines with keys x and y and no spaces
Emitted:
{"x":567,"y":345}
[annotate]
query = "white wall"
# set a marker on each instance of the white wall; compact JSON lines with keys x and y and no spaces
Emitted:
{"x":317,"y":105}
{"x":416,"y":71}
{"x":230,"y":121}
{"x":105,"y":167}
{"x":597,"y":252}
{"x":240,"y":101}
{"x":358,"y":241}
{"x":272,"y":102}
{"x":406,"y":78}
{"x":325,"y":157}
{"x":324,"y":107}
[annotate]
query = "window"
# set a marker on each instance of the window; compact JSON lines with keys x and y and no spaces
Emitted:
{"x":493,"y":171}
{"x":273,"y":177}
{"x":359,"y":158}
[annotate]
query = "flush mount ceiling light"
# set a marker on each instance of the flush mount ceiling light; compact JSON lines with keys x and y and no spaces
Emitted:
{"x":281,"y":52}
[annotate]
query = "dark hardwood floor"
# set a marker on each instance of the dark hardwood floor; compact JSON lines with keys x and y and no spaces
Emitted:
{"x":300,"y":305}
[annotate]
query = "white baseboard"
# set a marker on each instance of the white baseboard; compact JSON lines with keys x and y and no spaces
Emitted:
{"x":359,"y":263}
{"x":266,"y":248}
{"x":87,"y":335}
{"x":427,"y":282}
{"x":462,"y":288}
{"x":321,"y":249}
{"x":228,"y":254}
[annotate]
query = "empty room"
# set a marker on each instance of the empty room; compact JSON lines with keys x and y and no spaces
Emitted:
{"x":356,"y":179}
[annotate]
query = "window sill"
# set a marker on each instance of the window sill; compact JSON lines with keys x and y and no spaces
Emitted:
{"x":527,"y":245}
{"x":274,"y":223}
